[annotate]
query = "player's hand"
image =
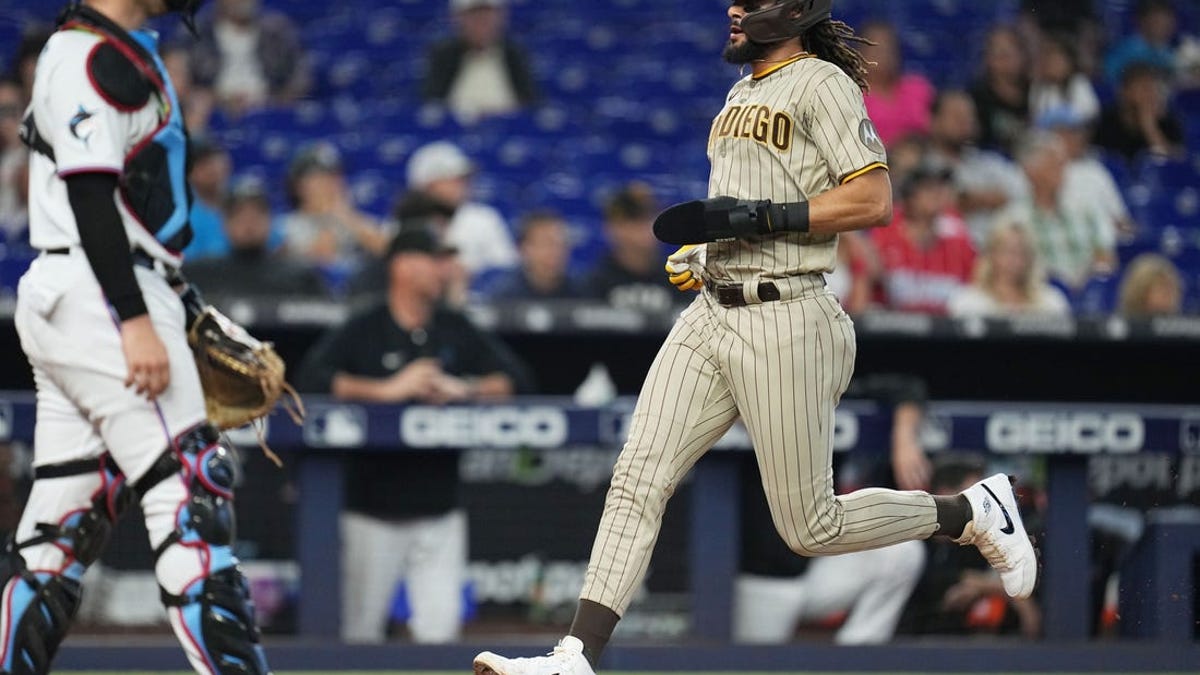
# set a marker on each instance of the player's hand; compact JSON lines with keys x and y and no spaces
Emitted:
{"x":145,"y":356}
{"x":684,"y":267}
{"x":417,"y":380}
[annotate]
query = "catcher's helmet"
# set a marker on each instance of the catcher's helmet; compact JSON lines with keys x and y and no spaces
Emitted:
{"x":784,"y":20}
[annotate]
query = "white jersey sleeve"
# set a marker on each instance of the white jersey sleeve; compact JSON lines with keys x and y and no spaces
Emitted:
{"x":86,"y":131}
{"x":840,"y":129}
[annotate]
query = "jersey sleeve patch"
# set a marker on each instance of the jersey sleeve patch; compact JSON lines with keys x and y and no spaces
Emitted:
{"x":118,"y":79}
{"x":869,"y":136}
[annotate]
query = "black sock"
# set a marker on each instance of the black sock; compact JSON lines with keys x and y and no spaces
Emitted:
{"x":953,"y":514}
{"x":593,"y":625}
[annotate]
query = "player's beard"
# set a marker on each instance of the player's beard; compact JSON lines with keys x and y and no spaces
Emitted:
{"x":746,"y":52}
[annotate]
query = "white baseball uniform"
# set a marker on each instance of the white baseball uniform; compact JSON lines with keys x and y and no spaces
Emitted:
{"x":72,"y":336}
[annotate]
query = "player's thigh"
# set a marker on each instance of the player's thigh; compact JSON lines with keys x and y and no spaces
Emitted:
{"x":91,"y":372}
{"x":684,"y":406}
{"x":51,"y":501}
{"x":62,"y":433}
{"x":789,"y":365}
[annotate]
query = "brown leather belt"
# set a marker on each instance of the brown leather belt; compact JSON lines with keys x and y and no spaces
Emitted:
{"x":734,"y":295}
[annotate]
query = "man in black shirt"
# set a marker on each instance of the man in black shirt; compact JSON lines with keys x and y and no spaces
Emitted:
{"x":402,"y":519}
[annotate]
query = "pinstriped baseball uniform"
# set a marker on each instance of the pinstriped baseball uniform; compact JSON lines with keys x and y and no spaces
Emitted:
{"x":789,"y":134}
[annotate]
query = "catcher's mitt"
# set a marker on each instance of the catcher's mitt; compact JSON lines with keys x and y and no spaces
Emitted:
{"x":242,"y":377}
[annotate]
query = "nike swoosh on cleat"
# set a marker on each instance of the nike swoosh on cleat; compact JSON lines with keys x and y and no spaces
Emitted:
{"x":1008,"y":523}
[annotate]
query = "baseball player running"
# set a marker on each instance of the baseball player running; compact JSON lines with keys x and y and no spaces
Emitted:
{"x":795,"y":161}
{"x":120,"y":411}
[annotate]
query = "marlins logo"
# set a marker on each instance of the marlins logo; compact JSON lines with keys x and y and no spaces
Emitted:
{"x":81,"y":126}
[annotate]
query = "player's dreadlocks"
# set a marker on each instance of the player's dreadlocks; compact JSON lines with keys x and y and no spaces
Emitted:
{"x":831,"y":40}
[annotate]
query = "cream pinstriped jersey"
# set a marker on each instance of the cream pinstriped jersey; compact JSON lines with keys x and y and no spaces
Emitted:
{"x":789,"y":134}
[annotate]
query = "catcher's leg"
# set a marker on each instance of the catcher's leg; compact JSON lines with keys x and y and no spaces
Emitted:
{"x":187,"y":496}
{"x":66,"y":523}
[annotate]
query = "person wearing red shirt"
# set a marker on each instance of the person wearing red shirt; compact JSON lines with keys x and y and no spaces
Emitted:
{"x":926,"y":252}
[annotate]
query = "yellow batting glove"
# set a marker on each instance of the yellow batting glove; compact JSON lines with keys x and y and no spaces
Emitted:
{"x":685,"y":266}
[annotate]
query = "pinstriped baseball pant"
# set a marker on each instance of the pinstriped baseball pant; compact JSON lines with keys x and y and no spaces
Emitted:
{"x":782,"y":367}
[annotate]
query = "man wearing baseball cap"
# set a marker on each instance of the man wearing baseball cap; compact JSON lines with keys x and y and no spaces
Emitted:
{"x":407,"y":348}
{"x":479,"y":71}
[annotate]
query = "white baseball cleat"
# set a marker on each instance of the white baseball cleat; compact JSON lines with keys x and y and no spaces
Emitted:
{"x":997,"y":531}
{"x":566,"y":659}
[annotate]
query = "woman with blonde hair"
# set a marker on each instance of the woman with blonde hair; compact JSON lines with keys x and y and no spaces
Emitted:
{"x":1009,"y":279}
{"x":1151,"y":287}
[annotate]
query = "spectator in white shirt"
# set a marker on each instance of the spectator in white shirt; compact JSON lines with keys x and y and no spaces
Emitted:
{"x":1088,"y":182}
{"x":484,"y":242}
{"x":1058,"y":82}
{"x":479,"y":71}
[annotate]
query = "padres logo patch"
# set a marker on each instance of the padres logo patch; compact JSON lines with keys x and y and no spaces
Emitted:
{"x":869,"y":136}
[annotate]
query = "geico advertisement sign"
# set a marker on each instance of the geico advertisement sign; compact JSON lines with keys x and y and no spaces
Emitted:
{"x":1077,"y":432}
{"x":499,"y":426}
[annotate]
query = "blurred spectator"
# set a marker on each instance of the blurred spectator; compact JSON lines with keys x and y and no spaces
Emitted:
{"x":13,"y":161}
{"x":777,"y":589}
{"x":478,"y":231}
{"x":630,"y":275}
{"x":1076,"y":18}
{"x":415,"y":210}
{"x":958,"y":593}
{"x":1151,"y":287}
{"x":1075,"y":240}
{"x":249,"y":268}
{"x":857,"y":272}
{"x":248,"y":58}
{"x":545,"y":245}
{"x":1059,"y":83}
{"x":1060,"y":15}
{"x":1139,"y":120}
{"x":1088,"y":183}
{"x":479,"y":71}
{"x":926,"y":251}
{"x":1151,"y":44}
{"x":1009,"y":280}
{"x":403,"y":519}
{"x":197,"y":102}
{"x":898,"y":102}
{"x":24,"y":60}
{"x":325,"y":229}
{"x":209,"y":178}
{"x":985,"y":180}
{"x":1002,"y":91}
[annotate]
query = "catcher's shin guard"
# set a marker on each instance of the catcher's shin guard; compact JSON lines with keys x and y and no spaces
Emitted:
{"x":37,"y":606}
{"x":215,"y":617}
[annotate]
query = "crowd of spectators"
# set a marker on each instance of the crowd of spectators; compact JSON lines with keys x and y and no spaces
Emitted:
{"x":1019,"y":163}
